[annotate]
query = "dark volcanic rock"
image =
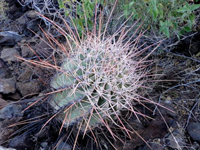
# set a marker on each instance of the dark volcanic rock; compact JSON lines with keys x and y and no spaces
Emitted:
{"x":9,"y":54}
{"x":176,"y":139}
{"x":12,"y":112}
{"x":43,"y":49}
{"x":25,"y":75}
{"x":22,"y":142}
{"x":9,"y":115}
{"x":194,"y":131}
{"x":3,"y":148}
{"x":15,"y":9}
{"x":189,"y":46}
{"x":4,"y":70}
{"x":8,"y":85}
{"x":29,"y":87}
{"x":3,"y":103}
{"x":32,"y":14}
{"x":9,"y":38}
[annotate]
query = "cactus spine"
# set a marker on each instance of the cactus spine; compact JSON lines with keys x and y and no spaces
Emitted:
{"x":97,"y":81}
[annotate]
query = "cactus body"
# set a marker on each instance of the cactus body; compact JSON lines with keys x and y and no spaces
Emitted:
{"x":95,"y":83}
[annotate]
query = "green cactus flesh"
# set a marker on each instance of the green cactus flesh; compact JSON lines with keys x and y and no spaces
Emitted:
{"x":92,"y":85}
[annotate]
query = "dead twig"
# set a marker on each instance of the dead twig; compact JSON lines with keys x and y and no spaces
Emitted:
{"x":179,"y":85}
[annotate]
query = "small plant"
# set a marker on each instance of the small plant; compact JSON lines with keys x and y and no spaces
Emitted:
{"x":97,"y":81}
{"x":82,"y":13}
{"x":174,"y":16}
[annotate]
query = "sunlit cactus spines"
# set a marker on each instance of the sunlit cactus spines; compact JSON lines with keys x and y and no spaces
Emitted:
{"x":96,"y":82}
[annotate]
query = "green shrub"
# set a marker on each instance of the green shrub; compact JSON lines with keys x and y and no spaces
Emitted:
{"x":81,"y":13}
{"x":164,"y":16}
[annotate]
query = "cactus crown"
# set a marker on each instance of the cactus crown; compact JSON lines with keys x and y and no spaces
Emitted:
{"x":96,"y":82}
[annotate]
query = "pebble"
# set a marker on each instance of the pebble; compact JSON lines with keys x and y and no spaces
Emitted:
{"x":194,"y":131}
{"x":8,"y":85}
{"x":176,"y":139}
{"x":26,"y":88}
{"x":3,"y":148}
{"x":9,"y":55}
{"x":12,"y":112}
{"x":9,"y":38}
{"x":32,"y":14}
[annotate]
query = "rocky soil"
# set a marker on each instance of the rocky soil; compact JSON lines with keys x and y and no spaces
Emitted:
{"x":21,"y":84}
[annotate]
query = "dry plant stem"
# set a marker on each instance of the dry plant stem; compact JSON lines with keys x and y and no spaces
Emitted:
{"x":186,"y":84}
{"x":191,"y":113}
{"x":27,"y":121}
{"x":178,"y":146}
{"x":170,"y":47}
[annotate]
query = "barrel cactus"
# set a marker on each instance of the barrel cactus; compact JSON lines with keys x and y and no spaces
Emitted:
{"x":96,"y":82}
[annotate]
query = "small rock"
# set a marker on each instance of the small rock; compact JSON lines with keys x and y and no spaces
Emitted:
{"x":9,"y":115}
{"x":43,"y":49}
{"x":22,"y":20}
{"x":176,"y":141}
{"x":63,"y":146}
{"x":9,"y":54}
{"x":25,"y":75}
{"x":13,"y":8}
{"x":29,"y":87}
{"x":32,"y":14}
{"x":26,"y":51}
{"x":11,"y":112}
{"x":32,"y":25}
{"x":8,"y":85}
{"x":4,"y":70}
{"x":154,"y":146}
{"x":5,"y":131}
{"x":194,"y":131}
{"x":9,"y":38}
{"x":16,"y":96}
{"x":3,"y":148}
{"x":44,"y":145}
{"x":3,"y":103}
{"x":22,"y":142}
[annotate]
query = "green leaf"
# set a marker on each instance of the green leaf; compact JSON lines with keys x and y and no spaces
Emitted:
{"x":189,"y":24}
{"x":161,"y":13}
{"x":192,"y":18}
{"x":154,"y":13}
{"x":175,"y":25}
{"x":183,"y":16}
{"x":183,"y":9}
{"x":166,"y":31}
{"x":194,"y":7}
{"x":146,"y":1}
{"x":126,"y":13}
{"x":131,"y":3}
{"x":164,"y":27}
{"x":61,"y":4}
{"x":154,"y":3}
{"x":173,"y":3}
{"x":187,"y":29}
{"x":198,"y":54}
